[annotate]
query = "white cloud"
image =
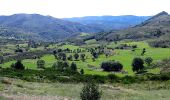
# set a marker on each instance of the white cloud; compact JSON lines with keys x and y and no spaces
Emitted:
{"x":76,"y":8}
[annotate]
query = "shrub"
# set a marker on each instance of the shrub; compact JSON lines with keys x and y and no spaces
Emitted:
{"x":70,"y":58}
{"x":112,"y":77}
{"x":62,"y":56}
{"x":82,"y":56}
{"x":82,"y":71}
{"x":73,"y":66}
{"x":137,"y":64}
{"x":111,"y":66}
{"x":61,"y":65}
{"x":76,"y":56}
{"x":128,"y":79}
{"x":148,"y":61}
{"x":18,"y":65}
{"x":90,"y":91}
{"x":40,"y":64}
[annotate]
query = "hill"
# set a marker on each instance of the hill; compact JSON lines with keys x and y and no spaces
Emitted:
{"x":35,"y":26}
{"x":157,"y":27}
{"x":109,"y":22}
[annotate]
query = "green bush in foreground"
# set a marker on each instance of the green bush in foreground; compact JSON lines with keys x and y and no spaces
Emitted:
{"x":90,"y":91}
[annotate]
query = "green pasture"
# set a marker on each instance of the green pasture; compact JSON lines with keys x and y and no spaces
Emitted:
{"x":123,"y":56}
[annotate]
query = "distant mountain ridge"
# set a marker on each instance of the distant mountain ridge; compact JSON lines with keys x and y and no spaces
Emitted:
{"x":40,"y":27}
{"x":157,"y":26}
{"x":110,"y":22}
{"x":47,"y":28}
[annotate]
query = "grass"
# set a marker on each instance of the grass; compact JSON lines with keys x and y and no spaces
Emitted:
{"x":136,"y":91}
{"x":123,"y":56}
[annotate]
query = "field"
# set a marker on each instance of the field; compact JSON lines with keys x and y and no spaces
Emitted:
{"x":124,"y":56}
{"x":19,"y":90}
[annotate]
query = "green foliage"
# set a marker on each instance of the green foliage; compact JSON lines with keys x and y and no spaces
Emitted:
{"x":90,"y":91}
{"x":73,"y":66}
{"x":148,"y":61}
{"x":82,"y":56}
{"x":76,"y":56}
{"x":82,"y":71}
{"x":18,"y":66}
{"x":62,"y":56}
{"x":143,"y":51}
{"x":40,"y":64}
{"x":61,"y":65}
{"x":137,"y":64}
{"x":70,"y":57}
{"x":111,"y":66}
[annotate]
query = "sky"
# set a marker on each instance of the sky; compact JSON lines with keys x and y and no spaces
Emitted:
{"x":79,"y":8}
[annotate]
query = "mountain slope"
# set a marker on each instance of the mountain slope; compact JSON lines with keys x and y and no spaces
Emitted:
{"x":42,"y":27}
{"x":109,"y":22}
{"x":156,"y":27}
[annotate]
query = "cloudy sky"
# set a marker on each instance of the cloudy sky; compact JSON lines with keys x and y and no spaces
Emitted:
{"x":78,"y":8}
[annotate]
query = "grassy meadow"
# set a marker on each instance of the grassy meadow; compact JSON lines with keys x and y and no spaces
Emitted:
{"x":125,"y":56}
{"x":20,"y":89}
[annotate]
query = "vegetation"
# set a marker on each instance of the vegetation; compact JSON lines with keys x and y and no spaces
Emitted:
{"x":137,"y":65}
{"x":112,"y":66}
{"x":90,"y":91}
{"x":41,"y":64}
{"x":114,"y":59}
{"x":18,"y":65}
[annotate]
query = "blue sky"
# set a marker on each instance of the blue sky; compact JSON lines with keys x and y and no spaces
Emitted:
{"x":78,"y":8}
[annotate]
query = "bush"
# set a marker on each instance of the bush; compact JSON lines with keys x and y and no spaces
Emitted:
{"x":40,"y":64}
{"x":18,"y":66}
{"x":112,"y":77}
{"x":90,"y":91}
{"x":61,"y":65}
{"x":62,"y":56}
{"x":82,"y":56}
{"x":82,"y":71}
{"x":111,"y":66}
{"x":73,"y":66}
{"x":148,"y":61}
{"x":137,"y":64}
{"x":76,"y":56}
{"x":70,"y":58}
{"x":128,"y":79}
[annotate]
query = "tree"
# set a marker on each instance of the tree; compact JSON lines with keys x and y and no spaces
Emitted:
{"x":73,"y":66}
{"x":76,"y":56}
{"x":61,"y":65}
{"x":40,"y":64}
{"x":1,"y":59}
{"x":82,"y":71}
{"x":62,"y":56}
{"x":112,"y":66}
{"x":54,"y":52}
{"x":82,"y":56}
{"x":148,"y":61}
{"x":137,"y":64}
{"x":18,"y":65}
{"x":94,"y":54}
{"x":143,"y":51}
{"x":70,"y":57}
{"x":90,"y":91}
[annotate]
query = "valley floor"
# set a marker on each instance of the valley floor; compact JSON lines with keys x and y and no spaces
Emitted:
{"x":14,"y":89}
